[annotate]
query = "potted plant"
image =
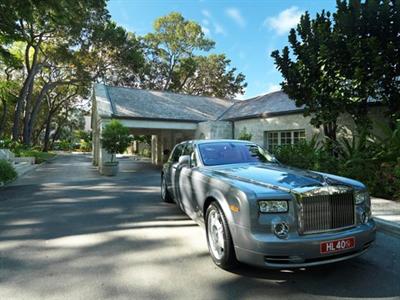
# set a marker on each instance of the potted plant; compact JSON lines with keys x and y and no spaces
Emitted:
{"x":115,"y":139}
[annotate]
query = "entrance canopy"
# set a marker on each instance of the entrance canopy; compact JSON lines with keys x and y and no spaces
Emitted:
{"x":168,"y":117}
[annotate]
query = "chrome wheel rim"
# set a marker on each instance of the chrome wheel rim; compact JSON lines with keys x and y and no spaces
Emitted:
{"x":215,"y":232}
{"x":163,"y":188}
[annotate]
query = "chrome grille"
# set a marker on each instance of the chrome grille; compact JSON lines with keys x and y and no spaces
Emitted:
{"x":320,"y":213}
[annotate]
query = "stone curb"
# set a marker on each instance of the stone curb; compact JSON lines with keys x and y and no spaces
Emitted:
{"x":35,"y":166}
{"x":387,"y":226}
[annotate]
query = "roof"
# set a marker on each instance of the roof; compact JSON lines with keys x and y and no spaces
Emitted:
{"x":275,"y":103}
{"x":149,"y":104}
{"x":132,"y":103}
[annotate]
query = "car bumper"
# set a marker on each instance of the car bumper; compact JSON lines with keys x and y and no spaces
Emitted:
{"x":266,"y":250}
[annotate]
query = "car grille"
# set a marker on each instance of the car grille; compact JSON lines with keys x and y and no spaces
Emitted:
{"x":321,"y":213}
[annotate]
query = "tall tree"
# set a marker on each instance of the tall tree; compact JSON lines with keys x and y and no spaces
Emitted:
{"x":208,"y":76}
{"x":59,"y":23}
{"x":311,"y":79}
{"x":173,"y":39}
{"x":340,"y":63}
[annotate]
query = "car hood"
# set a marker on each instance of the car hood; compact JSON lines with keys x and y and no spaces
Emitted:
{"x":276,"y":176}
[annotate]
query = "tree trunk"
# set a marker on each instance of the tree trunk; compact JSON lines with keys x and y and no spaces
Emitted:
{"x":3,"y":117}
{"x":330,"y":130}
{"x":33,"y":115}
{"x":32,"y":69}
{"x":47,"y":134}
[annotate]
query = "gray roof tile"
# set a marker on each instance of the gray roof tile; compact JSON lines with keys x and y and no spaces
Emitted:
{"x":137,"y":103}
{"x":269,"y":104}
{"x":147,"y":104}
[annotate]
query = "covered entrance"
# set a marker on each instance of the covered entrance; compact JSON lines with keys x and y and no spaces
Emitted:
{"x":168,"y":118}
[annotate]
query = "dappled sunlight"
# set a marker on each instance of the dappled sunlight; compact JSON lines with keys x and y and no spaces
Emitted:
{"x":114,"y":238}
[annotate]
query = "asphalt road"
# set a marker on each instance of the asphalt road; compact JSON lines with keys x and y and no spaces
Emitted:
{"x":68,"y":233}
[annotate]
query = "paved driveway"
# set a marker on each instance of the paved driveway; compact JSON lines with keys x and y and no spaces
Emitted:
{"x":68,"y":233}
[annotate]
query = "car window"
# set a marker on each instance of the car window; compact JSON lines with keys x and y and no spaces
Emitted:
{"x":221,"y":153}
{"x":176,"y":153}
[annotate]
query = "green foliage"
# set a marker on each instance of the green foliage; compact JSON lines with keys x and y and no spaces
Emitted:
{"x":244,"y":135}
{"x":145,"y":152}
{"x":302,"y":155}
{"x":65,"y":145}
{"x":208,"y":76}
{"x":38,"y":155}
{"x":13,"y":146}
{"x":338,"y":62}
{"x":7,"y":171}
{"x":373,"y":161}
{"x":115,"y":138}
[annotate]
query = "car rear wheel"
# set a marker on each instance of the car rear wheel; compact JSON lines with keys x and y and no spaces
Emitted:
{"x":219,"y":239}
{"x":165,"y":195}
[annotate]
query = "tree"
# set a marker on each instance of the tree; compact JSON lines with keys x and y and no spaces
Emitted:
{"x":39,"y":25}
{"x":208,"y":76}
{"x":115,"y":138}
{"x":339,"y":63}
{"x":174,"y":39}
{"x":312,"y":79}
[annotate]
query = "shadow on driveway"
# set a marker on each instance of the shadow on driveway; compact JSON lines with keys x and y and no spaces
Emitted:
{"x":67,"y":232}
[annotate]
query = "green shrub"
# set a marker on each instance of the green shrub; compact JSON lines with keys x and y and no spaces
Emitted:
{"x":244,"y":135}
{"x":85,"y":146}
{"x":7,"y":171}
{"x":145,"y":152}
{"x":65,"y":145}
{"x":373,"y":161}
{"x":13,"y":146}
{"x":115,"y":138}
{"x":38,"y":155}
{"x":302,"y":155}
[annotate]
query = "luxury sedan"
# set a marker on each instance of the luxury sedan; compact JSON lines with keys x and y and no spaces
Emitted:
{"x":257,"y":211}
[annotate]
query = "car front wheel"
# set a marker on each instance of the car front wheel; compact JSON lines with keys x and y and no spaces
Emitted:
{"x":165,"y":195}
{"x":219,"y":239}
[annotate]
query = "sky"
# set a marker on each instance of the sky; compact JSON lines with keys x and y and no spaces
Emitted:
{"x":246,"y":31}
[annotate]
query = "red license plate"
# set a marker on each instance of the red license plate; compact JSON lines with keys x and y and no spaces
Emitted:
{"x":337,"y":245}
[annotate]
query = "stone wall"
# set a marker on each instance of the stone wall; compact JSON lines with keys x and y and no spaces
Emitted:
{"x":258,"y":126}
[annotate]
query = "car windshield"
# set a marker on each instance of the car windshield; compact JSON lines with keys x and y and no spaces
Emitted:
{"x":222,"y":153}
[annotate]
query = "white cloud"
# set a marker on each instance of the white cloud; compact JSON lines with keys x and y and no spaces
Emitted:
{"x":206,"y":30}
{"x":219,"y":29}
{"x":236,"y":16}
{"x":206,"y":13}
{"x":272,"y":87}
{"x":206,"y":22}
{"x":286,"y":20}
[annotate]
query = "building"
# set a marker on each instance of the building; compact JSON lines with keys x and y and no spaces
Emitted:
{"x":272,"y":119}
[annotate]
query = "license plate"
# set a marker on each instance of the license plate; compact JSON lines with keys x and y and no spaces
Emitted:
{"x":337,"y":245}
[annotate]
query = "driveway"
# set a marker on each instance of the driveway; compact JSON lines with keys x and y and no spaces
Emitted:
{"x":68,"y":233}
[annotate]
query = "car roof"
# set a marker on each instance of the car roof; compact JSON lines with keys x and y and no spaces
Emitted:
{"x":197,"y":142}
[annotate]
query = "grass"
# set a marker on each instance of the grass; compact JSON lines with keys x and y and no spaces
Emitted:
{"x":38,"y":155}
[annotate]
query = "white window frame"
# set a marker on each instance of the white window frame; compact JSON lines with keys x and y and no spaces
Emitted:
{"x":279,"y":132}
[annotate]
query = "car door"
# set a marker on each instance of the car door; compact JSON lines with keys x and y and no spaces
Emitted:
{"x":187,"y":199}
{"x":175,"y":170}
{"x":171,"y":168}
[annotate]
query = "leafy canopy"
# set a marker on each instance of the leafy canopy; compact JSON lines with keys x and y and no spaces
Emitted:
{"x":339,"y":62}
{"x":115,"y":138}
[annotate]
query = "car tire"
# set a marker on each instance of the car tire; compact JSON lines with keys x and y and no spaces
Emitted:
{"x":165,"y":195}
{"x":219,"y":239}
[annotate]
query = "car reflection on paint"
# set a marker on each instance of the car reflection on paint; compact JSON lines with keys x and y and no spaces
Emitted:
{"x":257,"y":211}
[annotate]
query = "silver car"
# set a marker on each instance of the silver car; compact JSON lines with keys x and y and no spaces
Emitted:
{"x":258,"y":211}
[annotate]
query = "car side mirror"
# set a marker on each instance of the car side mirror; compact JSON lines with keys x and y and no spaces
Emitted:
{"x":274,"y":159}
{"x":184,"y":160}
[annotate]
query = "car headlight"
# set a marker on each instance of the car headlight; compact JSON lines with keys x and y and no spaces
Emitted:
{"x":273,"y":206}
{"x":361,"y":197}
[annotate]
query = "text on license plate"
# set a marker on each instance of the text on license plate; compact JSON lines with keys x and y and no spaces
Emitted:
{"x":337,"y":245}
